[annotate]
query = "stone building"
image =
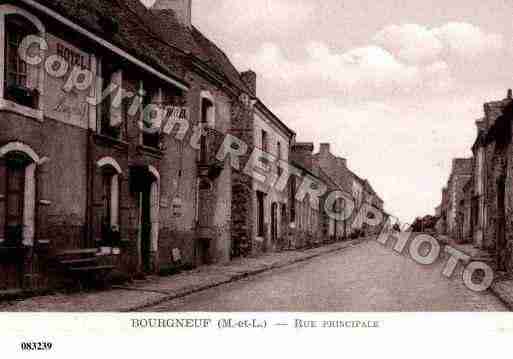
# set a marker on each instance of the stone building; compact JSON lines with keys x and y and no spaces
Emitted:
{"x":94,"y":183}
{"x":486,"y":201}
{"x":269,"y":213}
{"x":358,"y":190}
{"x":129,"y":144}
{"x":305,"y":208}
{"x":461,"y":172}
{"x":372,"y":200}
{"x":444,"y":208}
{"x":333,"y":227}
{"x":497,"y":178}
{"x":478,"y":205}
{"x":465,"y":211}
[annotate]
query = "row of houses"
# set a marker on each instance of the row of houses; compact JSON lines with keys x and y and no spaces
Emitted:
{"x":131,"y":145}
{"x":478,"y":200}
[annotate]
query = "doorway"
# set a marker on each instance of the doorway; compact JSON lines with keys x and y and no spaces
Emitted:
{"x":145,"y":185}
{"x":501,"y":224}
{"x":11,"y":268}
{"x":146,"y":225}
{"x":274,"y":223}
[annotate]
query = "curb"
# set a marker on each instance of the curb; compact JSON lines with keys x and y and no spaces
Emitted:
{"x":502,"y":295}
{"x":238,"y":277}
{"x":13,"y":295}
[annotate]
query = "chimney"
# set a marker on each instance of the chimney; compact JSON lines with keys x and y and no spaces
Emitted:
{"x":510,"y":94}
{"x":302,"y":153}
{"x":250,"y":78}
{"x":181,"y":8}
{"x":342,"y":162}
{"x":325,"y":149}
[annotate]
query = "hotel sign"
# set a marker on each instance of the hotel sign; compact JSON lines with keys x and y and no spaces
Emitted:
{"x":68,"y":107}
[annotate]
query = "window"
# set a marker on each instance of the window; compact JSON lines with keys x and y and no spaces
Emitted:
{"x":207,"y":121}
{"x":207,"y":112}
{"x":265,"y":142}
{"x":280,"y":170}
{"x":111,"y":111}
{"x":292,"y":192}
{"x":260,"y":213}
{"x":151,"y":129}
{"x":21,"y":82}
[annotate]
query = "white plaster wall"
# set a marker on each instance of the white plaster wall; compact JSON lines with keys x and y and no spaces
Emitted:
{"x":274,"y":135}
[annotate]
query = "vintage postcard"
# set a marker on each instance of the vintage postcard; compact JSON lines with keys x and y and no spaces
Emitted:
{"x":273,"y":171}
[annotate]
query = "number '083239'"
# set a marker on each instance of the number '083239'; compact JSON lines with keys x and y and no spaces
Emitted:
{"x":36,"y":346}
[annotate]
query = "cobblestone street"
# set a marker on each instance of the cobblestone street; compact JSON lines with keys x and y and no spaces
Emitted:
{"x":367,"y":278}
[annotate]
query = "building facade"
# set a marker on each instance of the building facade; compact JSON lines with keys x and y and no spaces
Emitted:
{"x":486,"y":202}
{"x":92,"y":182}
{"x":357,"y":189}
{"x":270,"y":201}
{"x":461,"y":173}
{"x":129,"y":145}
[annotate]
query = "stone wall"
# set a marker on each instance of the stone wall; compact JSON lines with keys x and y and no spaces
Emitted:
{"x":242,"y":127}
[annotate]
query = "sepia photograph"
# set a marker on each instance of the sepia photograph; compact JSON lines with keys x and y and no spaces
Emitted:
{"x":270,"y":166}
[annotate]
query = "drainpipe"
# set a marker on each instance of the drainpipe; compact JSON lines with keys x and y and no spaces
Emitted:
{"x":89,"y":156}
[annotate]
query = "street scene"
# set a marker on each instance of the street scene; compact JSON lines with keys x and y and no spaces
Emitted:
{"x":375,"y":280}
{"x":269,"y":156}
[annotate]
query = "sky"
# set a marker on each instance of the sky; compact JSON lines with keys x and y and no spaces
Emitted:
{"x":394,"y":85}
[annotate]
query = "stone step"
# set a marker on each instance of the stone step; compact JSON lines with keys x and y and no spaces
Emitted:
{"x":92,"y":269}
{"x":78,"y":253}
{"x":71,"y":262}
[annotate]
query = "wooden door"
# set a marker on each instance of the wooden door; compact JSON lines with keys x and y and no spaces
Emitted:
{"x":11,"y":270}
{"x":146,"y":229}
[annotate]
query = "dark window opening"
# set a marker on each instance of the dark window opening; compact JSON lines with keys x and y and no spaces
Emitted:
{"x":260,"y":213}
{"x":292,"y":199}
{"x":283,"y":211}
{"x":151,"y":130}
{"x":17,"y":73}
{"x":206,"y":108}
{"x":265,"y":141}
{"x":280,"y":170}
{"x":109,"y":126}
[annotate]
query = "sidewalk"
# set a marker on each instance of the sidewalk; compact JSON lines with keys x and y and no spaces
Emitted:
{"x":502,"y":286}
{"x":155,"y":290}
{"x":503,"y":289}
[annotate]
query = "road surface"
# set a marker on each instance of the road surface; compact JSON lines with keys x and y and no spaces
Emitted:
{"x":366,"y":278}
